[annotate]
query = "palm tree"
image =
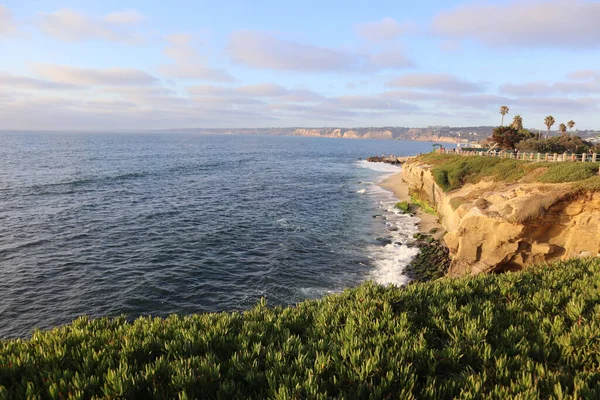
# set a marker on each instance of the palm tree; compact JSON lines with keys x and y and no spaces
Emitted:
{"x":562,"y":128}
{"x":571,"y":124}
{"x":517,"y":122}
{"x":549,"y":121}
{"x":503,"y":110}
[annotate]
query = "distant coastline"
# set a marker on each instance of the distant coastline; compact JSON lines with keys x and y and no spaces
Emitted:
{"x":442,"y":134}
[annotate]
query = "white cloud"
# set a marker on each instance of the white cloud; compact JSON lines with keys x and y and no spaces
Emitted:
{"x":96,"y":76}
{"x":550,"y":88}
{"x":261,"y":50}
{"x":382,"y":30}
{"x":440,"y":82}
{"x":585,"y":74}
{"x":392,"y":59}
{"x":72,"y":26}
{"x":263,"y":90}
{"x":569,"y":24}
{"x":127,"y":17}
{"x":25,"y":82}
{"x":188,"y":63}
{"x":7,"y":23}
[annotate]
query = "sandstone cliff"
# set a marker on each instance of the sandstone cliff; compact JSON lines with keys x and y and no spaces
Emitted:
{"x":495,"y":227}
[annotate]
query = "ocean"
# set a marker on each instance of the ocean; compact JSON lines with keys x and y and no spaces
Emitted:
{"x":155,"y":224}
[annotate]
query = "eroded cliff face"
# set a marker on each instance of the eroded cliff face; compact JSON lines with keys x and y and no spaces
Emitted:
{"x":495,"y":227}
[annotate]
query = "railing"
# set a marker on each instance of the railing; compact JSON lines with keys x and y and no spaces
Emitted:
{"x":534,"y":157}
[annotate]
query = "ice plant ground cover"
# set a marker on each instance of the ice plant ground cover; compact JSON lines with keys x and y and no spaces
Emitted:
{"x":535,"y":334}
{"x":453,"y":171}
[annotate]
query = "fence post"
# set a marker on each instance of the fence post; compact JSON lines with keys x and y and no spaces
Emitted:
{"x":564,"y":156}
{"x":594,"y":157}
{"x":573,"y":157}
{"x":583,"y":157}
{"x":538,"y":157}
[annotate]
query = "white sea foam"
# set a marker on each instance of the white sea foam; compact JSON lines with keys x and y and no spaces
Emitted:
{"x":391,"y":259}
{"x":379,"y":166}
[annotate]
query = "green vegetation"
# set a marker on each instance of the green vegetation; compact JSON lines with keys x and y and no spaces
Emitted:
{"x":588,"y":185}
{"x":453,"y":171}
{"x":558,"y":144}
{"x":534,"y":334}
{"x":423,"y":205}
{"x":402,"y":206}
{"x":568,"y":172}
{"x":549,"y":121}
{"x":507,"y":137}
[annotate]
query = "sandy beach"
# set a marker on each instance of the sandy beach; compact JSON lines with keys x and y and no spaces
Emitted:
{"x":399,"y":188}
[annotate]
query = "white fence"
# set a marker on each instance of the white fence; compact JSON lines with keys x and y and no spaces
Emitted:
{"x":534,"y":157}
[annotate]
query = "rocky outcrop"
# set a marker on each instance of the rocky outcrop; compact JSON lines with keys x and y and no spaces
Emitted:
{"x":496,"y":227}
{"x":390,"y":159}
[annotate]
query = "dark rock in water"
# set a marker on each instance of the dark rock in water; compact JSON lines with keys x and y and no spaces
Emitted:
{"x":377,"y":216}
{"x":384,"y":241}
{"x":389,"y":159}
{"x":431,"y":263}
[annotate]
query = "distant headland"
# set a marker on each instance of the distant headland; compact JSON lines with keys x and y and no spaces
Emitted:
{"x":445,"y":134}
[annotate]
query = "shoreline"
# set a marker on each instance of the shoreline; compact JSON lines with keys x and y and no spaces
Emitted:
{"x":399,"y":189}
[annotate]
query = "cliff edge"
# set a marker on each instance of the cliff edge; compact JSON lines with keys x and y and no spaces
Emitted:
{"x":496,"y":226}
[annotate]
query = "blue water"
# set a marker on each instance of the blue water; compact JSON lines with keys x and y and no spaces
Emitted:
{"x":138,"y":224}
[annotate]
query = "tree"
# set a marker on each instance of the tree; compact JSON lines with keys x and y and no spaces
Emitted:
{"x":562,"y":128}
{"x":517,"y":122}
{"x":549,"y":121}
{"x":507,"y":137}
{"x":556,"y":144}
{"x":571,"y":124}
{"x":503,"y":110}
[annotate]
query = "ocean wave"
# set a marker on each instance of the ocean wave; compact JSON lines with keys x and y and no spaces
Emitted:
{"x":379,"y":166}
{"x":395,"y":250}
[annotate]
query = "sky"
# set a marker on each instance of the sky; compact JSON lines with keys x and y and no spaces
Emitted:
{"x":114,"y":65}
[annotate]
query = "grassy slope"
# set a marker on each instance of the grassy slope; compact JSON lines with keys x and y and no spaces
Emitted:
{"x":452,"y":171}
{"x":535,"y":333}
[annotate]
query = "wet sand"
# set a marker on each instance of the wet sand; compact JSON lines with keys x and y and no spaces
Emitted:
{"x":399,"y":188}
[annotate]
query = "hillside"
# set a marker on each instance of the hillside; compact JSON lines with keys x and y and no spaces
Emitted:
{"x":535,"y":334}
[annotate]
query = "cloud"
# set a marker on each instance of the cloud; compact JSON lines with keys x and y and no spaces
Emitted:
{"x":260,"y":50}
{"x":7,"y":23}
{"x":25,"y":82}
{"x":585,"y":74}
{"x":187,"y":62}
{"x":450,"y":46}
{"x":147,"y":96}
{"x":302,"y":96}
{"x":550,"y":88}
{"x":569,"y":24}
{"x":440,"y":82}
{"x":391,"y":59}
{"x":127,"y":17}
{"x":360,"y":102}
{"x":72,"y":26}
{"x":382,"y":30}
{"x":263,"y":90}
{"x":556,"y":104}
{"x":96,"y":76}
